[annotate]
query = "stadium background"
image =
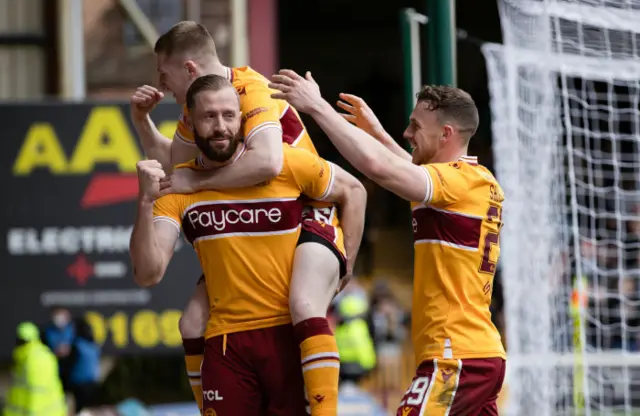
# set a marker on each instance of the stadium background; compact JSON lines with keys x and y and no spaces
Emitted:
{"x":69,"y":152}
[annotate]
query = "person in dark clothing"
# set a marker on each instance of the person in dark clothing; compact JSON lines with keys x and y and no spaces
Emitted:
{"x":58,"y":335}
{"x":84,"y":373}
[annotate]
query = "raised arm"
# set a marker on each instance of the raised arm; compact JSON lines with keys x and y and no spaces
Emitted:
{"x":365,"y":153}
{"x":154,"y":144}
{"x":152,"y":242}
{"x":363,"y":117}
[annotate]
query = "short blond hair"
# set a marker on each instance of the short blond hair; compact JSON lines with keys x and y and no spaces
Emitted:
{"x":186,"y":37}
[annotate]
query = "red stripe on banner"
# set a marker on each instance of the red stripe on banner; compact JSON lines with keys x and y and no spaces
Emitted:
{"x":110,"y":188}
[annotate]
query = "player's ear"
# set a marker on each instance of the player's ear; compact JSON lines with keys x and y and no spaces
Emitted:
{"x":447,"y":132}
{"x":191,"y":68}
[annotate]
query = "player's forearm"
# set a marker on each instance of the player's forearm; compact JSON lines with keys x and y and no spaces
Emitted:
{"x":261,"y":162}
{"x":364,"y":152}
{"x":389,"y":142}
{"x":146,"y":255}
{"x":352,"y":213}
{"x":154,"y":144}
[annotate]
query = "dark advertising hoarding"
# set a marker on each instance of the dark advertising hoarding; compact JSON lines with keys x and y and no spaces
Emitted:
{"x":70,"y":187}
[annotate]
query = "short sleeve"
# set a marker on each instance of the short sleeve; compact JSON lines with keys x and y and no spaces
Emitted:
{"x":259,"y":110}
{"x":167,"y":208}
{"x":313,"y":175}
{"x":184,"y":131}
{"x":446,"y":184}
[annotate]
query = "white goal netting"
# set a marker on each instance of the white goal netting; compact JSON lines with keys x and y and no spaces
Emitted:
{"x":565,"y":99}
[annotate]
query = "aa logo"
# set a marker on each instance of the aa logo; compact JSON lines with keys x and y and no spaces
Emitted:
{"x":210,"y":412}
{"x":406,"y":411}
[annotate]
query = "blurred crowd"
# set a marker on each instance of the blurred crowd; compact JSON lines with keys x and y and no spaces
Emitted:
{"x":59,"y":359}
{"x":369,"y":328}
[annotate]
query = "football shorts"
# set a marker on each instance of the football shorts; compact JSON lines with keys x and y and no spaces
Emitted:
{"x":455,"y":387}
{"x":253,"y":372}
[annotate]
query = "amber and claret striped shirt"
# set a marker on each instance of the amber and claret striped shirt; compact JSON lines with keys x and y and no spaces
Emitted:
{"x":260,"y":111}
{"x":245,"y":240}
{"x":456,"y":240}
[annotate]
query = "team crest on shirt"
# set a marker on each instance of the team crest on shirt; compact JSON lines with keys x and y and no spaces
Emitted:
{"x":210,"y":412}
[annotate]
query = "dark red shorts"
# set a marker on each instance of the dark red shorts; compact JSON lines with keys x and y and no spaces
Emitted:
{"x":455,"y":387}
{"x":257,"y":373}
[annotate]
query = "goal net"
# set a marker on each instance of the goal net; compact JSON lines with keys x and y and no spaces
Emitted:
{"x":565,"y":100}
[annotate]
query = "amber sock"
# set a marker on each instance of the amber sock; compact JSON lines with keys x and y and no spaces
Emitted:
{"x":193,"y":356}
{"x":320,"y":365}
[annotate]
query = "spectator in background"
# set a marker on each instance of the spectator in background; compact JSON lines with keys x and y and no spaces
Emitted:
{"x":84,"y":373}
{"x":357,"y":354}
{"x":59,"y":335}
{"x":387,"y":320}
{"x":35,"y":388}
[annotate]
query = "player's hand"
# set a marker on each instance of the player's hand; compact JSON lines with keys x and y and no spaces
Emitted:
{"x":302,"y":93}
{"x":144,"y":100}
{"x":360,"y":114}
{"x":150,"y":173}
{"x":181,"y":181}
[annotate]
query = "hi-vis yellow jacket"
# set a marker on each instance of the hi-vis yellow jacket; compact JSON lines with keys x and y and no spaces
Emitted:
{"x":35,"y":389}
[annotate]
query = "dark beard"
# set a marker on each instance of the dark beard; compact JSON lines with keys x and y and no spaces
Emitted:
{"x":217,"y":155}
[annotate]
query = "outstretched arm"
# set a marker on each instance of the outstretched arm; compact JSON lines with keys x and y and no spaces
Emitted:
{"x":363,"y":117}
{"x":152,"y":242}
{"x":365,"y":153}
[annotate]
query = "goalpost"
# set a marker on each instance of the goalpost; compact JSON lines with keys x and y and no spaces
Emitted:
{"x":565,"y":101}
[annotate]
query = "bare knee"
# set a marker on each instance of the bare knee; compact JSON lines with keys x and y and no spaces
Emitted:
{"x":194,"y":318}
{"x":302,"y":307}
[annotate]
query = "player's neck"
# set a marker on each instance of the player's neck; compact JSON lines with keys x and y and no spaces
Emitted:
{"x":215,"y":68}
{"x":450,"y":155}
{"x":212,"y":164}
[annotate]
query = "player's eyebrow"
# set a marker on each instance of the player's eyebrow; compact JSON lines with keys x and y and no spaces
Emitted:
{"x":414,"y":121}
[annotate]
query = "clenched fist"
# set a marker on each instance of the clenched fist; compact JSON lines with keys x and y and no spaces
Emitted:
{"x":150,"y":173}
{"x":144,"y":100}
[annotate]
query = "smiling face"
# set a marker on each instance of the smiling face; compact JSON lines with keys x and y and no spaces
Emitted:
{"x":426,"y":135}
{"x":441,"y":124}
{"x":216,"y":119}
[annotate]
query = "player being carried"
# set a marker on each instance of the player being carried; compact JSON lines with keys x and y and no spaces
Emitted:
{"x":457,"y":207}
{"x":324,"y":252}
{"x":245,"y":239}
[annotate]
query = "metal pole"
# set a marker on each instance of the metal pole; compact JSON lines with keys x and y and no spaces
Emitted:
{"x":441,"y":41}
{"x":194,"y":10}
{"x":239,"y":33}
{"x":71,"y":50}
{"x":410,"y":22}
